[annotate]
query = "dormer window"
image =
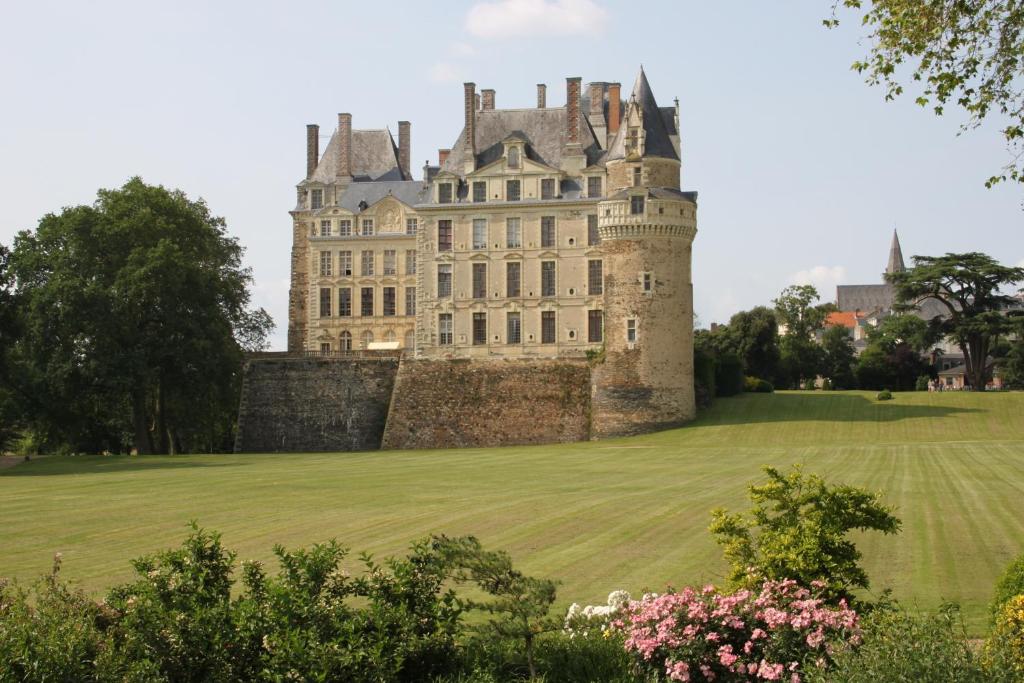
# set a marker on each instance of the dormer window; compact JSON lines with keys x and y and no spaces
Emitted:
{"x":513,"y":157}
{"x":633,"y":141}
{"x":316,"y":199}
{"x":444,"y":193}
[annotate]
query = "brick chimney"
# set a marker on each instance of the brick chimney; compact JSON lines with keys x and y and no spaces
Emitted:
{"x":344,"y":165}
{"x":476,"y":101}
{"x":614,"y":101}
{"x":312,"y":148}
{"x":572,"y":110}
{"x":488,"y":99}
{"x":442,"y":156}
{"x":469,"y":90}
{"x":404,"y":128}
{"x":542,"y":96}
{"x":596,"y":99}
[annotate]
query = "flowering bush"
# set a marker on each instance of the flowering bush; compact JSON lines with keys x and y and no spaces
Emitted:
{"x":1005,"y":647}
{"x":776,"y":634}
{"x":581,"y":620}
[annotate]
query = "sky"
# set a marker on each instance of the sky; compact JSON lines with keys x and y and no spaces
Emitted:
{"x":803,"y":170}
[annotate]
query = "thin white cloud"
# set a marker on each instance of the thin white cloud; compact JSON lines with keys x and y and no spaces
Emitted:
{"x":824,"y":279}
{"x":445,"y":72}
{"x":515,"y":18}
{"x":461,"y":50}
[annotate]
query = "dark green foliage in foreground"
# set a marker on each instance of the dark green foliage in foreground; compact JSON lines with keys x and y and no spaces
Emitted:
{"x":1010,"y":584}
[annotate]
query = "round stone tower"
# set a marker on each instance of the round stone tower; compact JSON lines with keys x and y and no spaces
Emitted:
{"x":647,"y":226}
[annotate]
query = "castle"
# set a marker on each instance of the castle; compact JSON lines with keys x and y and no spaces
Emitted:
{"x":544,"y":236}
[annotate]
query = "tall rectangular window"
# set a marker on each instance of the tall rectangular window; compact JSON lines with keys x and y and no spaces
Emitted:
{"x":345,"y":263}
{"x":595,"y":281}
{"x":636,"y":204}
{"x":444,"y":235}
{"x":345,"y":302}
{"x":547,"y":188}
{"x":479,"y":328}
{"x":479,"y":233}
{"x":631,"y":330}
{"x":326,"y":262}
{"x":390,"y":305}
{"x":325,"y":302}
{"x":513,"y":190}
{"x":410,"y":226}
{"x":345,"y":227}
{"x":513,"y":233}
{"x":445,"y":334}
{"x":513,"y":278}
{"x":594,"y":186}
{"x":648,"y":282}
{"x":367,"y":226}
{"x":547,"y":327}
{"x":325,"y":228}
{"x":366,"y":301}
{"x":367,"y":263}
{"x":444,"y":280}
{"x":479,"y":280}
{"x":480,"y":191}
{"x":316,"y":199}
{"x":593,"y":236}
{"x":595,"y":327}
{"x":410,"y":301}
{"x":637,"y":182}
{"x":513,"y":329}
{"x":410,"y":261}
{"x":444,"y":193}
{"x":547,"y":278}
{"x":390,"y":262}
{"x":547,"y":231}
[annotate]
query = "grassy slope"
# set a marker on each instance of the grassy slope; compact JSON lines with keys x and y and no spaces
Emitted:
{"x":629,"y":513}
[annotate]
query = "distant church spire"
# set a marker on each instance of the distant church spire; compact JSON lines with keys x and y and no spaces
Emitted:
{"x":896,"y":264}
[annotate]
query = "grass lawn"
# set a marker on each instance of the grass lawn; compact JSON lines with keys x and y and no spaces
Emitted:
{"x":628,"y":513}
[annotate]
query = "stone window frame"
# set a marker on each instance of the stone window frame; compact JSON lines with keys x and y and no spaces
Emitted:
{"x":326,"y":264}
{"x":445,"y":291}
{"x":548,"y":278}
{"x":647,"y":282}
{"x":595,"y":277}
{"x":548,"y":232}
{"x":316,"y":198}
{"x":325,"y":227}
{"x":325,"y":348}
{"x":517,"y":267}
{"x":513,"y":228}
{"x":513,"y":327}
{"x":445,"y":193}
{"x":595,"y":326}
{"x":411,"y":225}
{"x":325,"y":302}
{"x":631,"y":331}
{"x":389,"y":301}
{"x":367,"y":260}
{"x":445,"y":234}
{"x":638,"y":176}
{"x":548,"y":327}
{"x":515,"y":184}
{"x":366,"y":339}
{"x":479,"y":283}
{"x":479,"y":191}
{"x":410,"y":300}
{"x":410,"y":261}
{"x":345,"y":341}
{"x":366,"y":303}
{"x":479,"y":329}
{"x":513,"y":157}
{"x":636,"y":205}
{"x":345,"y":227}
{"x":344,"y":302}
{"x":345,"y":263}
{"x":548,"y":190}
{"x":595,"y":180}
{"x":367,"y":227}
{"x":593,"y":236}
{"x":390,"y":262}
{"x":410,"y":339}
{"x":445,"y":329}
{"x":479,"y":240}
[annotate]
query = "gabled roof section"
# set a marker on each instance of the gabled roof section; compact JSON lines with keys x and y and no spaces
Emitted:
{"x":374,"y":157}
{"x":542,"y":129}
{"x":657,"y":135}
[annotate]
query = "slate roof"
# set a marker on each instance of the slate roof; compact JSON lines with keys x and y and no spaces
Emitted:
{"x":411,"y":192}
{"x":544,"y":130}
{"x":865,"y":298}
{"x":657,"y":130}
{"x":374,"y":157}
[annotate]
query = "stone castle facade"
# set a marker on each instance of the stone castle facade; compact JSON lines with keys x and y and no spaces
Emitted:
{"x":544,"y":234}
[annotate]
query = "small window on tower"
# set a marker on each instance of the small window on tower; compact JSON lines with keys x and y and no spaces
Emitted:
{"x":648,"y":282}
{"x":637,"y":177}
{"x":631,"y":331}
{"x":636,"y":204}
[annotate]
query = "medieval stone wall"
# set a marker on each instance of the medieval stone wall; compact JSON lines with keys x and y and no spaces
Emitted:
{"x":304,"y":404}
{"x":459,"y":403}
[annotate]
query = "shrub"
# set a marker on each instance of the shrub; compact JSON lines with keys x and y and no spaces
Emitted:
{"x":798,"y":529}
{"x":809,"y":384}
{"x":826,"y":384}
{"x":1010,"y":584}
{"x":757,"y":385}
{"x":728,"y":374}
{"x":922,"y":383}
{"x":779,"y":631}
{"x":900,"y":646}
{"x":884,"y":395}
{"x":1004,"y":650}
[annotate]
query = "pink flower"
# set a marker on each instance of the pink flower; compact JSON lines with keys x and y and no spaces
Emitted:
{"x":725,"y":656}
{"x":770,"y":672}
{"x":677,"y":671}
{"x":709,"y":675}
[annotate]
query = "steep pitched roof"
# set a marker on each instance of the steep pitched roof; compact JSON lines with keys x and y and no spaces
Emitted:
{"x":895,"y":264}
{"x":374,"y":157}
{"x":657,"y":140}
{"x":543,"y":129}
{"x":409,"y":192}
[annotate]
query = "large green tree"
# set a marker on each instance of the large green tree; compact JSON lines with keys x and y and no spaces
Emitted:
{"x":9,"y":332}
{"x":754,"y":335}
{"x":970,"y":287}
{"x":840,"y":356}
{"x":796,"y":309}
{"x":136,"y":312}
{"x":967,"y":53}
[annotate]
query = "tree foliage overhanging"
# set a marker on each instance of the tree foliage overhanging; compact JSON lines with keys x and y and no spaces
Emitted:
{"x":133,"y":315}
{"x":968,"y":53}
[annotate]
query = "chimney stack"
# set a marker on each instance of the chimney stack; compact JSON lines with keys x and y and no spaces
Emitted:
{"x":312,"y":148}
{"x":572,"y":110}
{"x":442,"y":156}
{"x":488,"y":99}
{"x":614,"y":101}
{"x":542,"y":96}
{"x":344,"y":165}
{"x":596,"y":99}
{"x":404,"y":128}
{"x":469,"y":90}
{"x":476,"y":101}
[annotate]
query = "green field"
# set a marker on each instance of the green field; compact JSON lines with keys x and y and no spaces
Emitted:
{"x":629,"y":513}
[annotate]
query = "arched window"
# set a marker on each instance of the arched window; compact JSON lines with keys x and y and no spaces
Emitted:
{"x":367,"y":339}
{"x":410,"y":339}
{"x":346,"y":341}
{"x":513,"y":157}
{"x":389,"y":336}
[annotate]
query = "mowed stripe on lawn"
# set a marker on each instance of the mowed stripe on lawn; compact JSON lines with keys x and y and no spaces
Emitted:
{"x":626,"y":513}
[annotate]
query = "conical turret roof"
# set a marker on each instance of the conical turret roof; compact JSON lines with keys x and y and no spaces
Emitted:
{"x":657,"y":141}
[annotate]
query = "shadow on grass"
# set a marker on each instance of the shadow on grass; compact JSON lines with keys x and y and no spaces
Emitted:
{"x":818,"y":406}
{"x":56,"y":465}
